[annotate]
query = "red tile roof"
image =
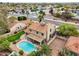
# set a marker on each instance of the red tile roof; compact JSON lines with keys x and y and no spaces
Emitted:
{"x":73,"y":44}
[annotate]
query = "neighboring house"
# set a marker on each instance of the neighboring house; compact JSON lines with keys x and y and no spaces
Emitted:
{"x":75,"y":11}
{"x":73,"y":44}
{"x":76,"y":17}
{"x":56,"y":10}
{"x":17,"y":27}
{"x":39,"y":33}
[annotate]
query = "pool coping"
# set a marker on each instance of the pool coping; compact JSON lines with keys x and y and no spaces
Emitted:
{"x":24,"y":41}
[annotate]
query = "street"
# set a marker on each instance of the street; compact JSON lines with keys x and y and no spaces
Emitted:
{"x":47,"y":18}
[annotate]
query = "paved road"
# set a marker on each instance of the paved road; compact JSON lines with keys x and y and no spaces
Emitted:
{"x":47,"y":18}
{"x":58,"y":22}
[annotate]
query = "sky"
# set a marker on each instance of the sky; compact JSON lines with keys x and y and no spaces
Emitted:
{"x":39,"y":1}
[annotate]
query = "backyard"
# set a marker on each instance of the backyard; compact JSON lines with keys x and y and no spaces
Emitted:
{"x":5,"y":42}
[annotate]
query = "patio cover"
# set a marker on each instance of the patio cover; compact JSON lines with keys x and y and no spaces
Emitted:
{"x":35,"y":37}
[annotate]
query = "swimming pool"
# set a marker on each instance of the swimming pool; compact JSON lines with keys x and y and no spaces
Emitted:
{"x":27,"y":46}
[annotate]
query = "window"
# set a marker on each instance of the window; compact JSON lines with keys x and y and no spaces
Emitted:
{"x":30,"y":30}
{"x":17,"y":27}
{"x":50,"y":30}
{"x":42,"y":34}
{"x":37,"y":32}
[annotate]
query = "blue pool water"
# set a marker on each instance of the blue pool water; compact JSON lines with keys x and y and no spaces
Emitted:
{"x":27,"y":47}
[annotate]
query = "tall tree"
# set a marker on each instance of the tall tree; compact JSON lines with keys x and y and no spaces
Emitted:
{"x":41,"y":15}
{"x":68,"y":30}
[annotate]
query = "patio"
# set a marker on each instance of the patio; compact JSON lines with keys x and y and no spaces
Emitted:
{"x":56,"y":46}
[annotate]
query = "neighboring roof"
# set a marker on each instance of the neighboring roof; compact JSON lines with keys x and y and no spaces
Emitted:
{"x":73,"y":44}
{"x":22,"y":25}
{"x":27,"y":22}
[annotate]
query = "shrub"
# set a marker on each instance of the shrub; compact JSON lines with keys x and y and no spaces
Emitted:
{"x":5,"y":44}
{"x":21,"y":52}
{"x":68,"y":15}
{"x":20,"y":18}
{"x":14,"y":42}
{"x":57,"y":15}
{"x":66,"y":52}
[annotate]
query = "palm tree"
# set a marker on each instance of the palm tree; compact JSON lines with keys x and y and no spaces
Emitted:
{"x":45,"y":49}
{"x":51,"y":11}
{"x":41,"y":15}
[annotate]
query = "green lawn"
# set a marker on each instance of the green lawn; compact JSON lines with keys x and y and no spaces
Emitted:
{"x":15,"y":37}
{"x":5,"y":42}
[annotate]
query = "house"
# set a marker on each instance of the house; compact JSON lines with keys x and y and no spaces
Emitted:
{"x":17,"y":27}
{"x":40,"y":33}
{"x":73,"y":44}
{"x":76,"y":17}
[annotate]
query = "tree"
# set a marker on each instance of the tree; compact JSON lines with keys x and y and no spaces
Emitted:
{"x":41,"y":15}
{"x":20,"y":18}
{"x":67,"y":30}
{"x":67,"y":7}
{"x":5,"y":44}
{"x":23,"y":11}
{"x":77,"y":7}
{"x":59,"y":5}
{"x":57,"y":14}
{"x":27,"y":12}
{"x":67,"y":15}
{"x":45,"y":49}
{"x":21,"y":52}
{"x":33,"y":8}
{"x":51,"y":11}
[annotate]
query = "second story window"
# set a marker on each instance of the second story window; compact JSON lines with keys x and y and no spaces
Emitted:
{"x":37,"y":32}
{"x":42,"y":34}
{"x":50,"y":30}
{"x":30,"y":30}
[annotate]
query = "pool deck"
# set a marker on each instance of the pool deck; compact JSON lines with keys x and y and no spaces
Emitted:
{"x":14,"y":47}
